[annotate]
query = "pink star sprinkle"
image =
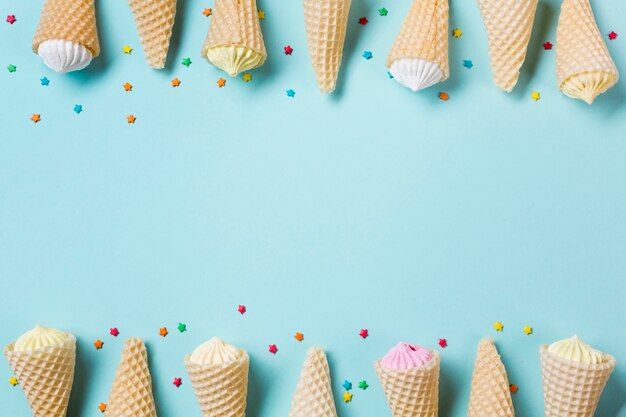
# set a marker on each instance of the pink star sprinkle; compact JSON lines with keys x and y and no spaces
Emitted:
{"x":612,"y":35}
{"x":11,"y":18}
{"x":114,"y":332}
{"x":288,"y":50}
{"x":241,"y":309}
{"x":364,"y":333}
{"x":443,"y":343}
{"x":178,"y":382}
{"x":273,"y":349}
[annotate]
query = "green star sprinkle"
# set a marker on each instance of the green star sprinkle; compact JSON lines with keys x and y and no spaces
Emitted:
{"x":12,"y":68}
{"x":363,"y":385}
{"x":382,"y":11}
{"x":182,"y":327}
{"x":186,"y":61}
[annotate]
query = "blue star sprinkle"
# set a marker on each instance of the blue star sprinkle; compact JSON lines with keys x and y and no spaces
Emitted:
{"x":368,"y":55}
{"x":45,"y":81}
{"x":347,"y":385}
{"x":78,"y":108}
{"x":468,"y":64}
{"x":291,"y":93}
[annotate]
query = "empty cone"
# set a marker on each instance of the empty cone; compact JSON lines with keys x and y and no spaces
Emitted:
{"x":234,"y":42}
{"x":584,"y":68}
{"x":154,"y":20}
{"x":412,"y":392}
{"x":326,"y":22}
{"x":490,"y":394}
{"x":314,"y":395}
{"x":46,"y":375}
{"x":131,"y":393}
{"x":572,"y":389}
{"x":509,"y":25}
{"x":69,"y":20}
{"x":419,"y":56}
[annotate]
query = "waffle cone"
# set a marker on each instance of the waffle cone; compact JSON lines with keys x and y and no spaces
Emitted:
{"x":509,"y":25}
{"x":326,"y":22}
{"x":154,"y":20}
{"x":70,"y":20}
{"x":412,"y":392}
{"x":490,"y":394}
{"x":46,"y":375}
{"x":424,"y":35}
{"x":584,"y":68}
{"x":131,"y":392}
{"x":572,"y":389}
{"x":221,"y":390}
{"x":314,"y":395}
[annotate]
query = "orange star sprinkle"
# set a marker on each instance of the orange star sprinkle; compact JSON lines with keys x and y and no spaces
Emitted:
{"x":130,"y":118}
{"x":299,"y":337}
{"x":514,"y":388}
{"x":175,"y":82}
{"x":128,"y":87}
{"x":98,"y":344}
{"x":36,"y":118}
{"x":221,"y":82}
{"x":102,"y":407}
{"x":444,"y":96}
{"x":207,"y":12}
{"x":163,"y":331}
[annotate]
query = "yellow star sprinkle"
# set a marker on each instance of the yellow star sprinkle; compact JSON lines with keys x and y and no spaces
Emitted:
{"x":457,"y":33}
{"x":127,"y":49}
{"x":528,"y":330}
{"x":535,"y":95}
{"x":247,"y":77}
{"x":347,"y":397}
{"x":498,"y":326}
{"x":261,"y":15}
{"x":13,"y":381}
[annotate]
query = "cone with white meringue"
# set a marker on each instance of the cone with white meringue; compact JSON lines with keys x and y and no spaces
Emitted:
{"x":509,"y":25}
{"x":314,"y":395}
{"x":584,"y":67}
{"x":154,"y":20}
{"x":490,"y":393}
{"x":419,"y":56}
{"x":326,"y":22}
{"x":131,"y":392}
{"x":67,"y":36}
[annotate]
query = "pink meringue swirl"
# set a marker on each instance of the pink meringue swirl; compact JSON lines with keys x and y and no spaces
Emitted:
{"x":406,"y":356}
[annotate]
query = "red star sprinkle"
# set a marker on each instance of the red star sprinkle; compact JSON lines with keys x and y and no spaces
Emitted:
{"x":514,"y":388}
{"x":547,"y":46}
{"x":364,"y":333}
{"x":612,"y":35}
{"x":178,"y":382}
{"x":273,"y":349}
{"x":363,"y":21}
{"x":443,"y":343}
{"x":241,"y":309}
{"x":114,"y":332}
{"x":11,"y":18}
{"x":288,"y":50}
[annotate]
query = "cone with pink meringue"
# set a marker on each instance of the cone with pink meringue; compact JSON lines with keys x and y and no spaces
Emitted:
{"x":154,"y":20}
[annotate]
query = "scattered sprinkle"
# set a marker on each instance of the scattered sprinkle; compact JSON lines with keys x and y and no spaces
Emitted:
{"x":45,"y":81}
{"x":299,"y":336}
{"x":382,"y":11}
{"x":241,"y":309}
{"x":78,"y":108}
{"x":347,"y":397}
{"x":207,"y":11}
{"x":547,"y":46}
{"x":528,"y":330}
{"x":444,"y":96}
{"x":368,"y":55}
{"x":36,"y":118}
{"x":11,"y":68}
{"x":221,"y":82}
{"x":131,"y":119}
{"x":261,"y":15}
{"x":273,"y":349}
{"x":514,"y":388}
{"x":186,"y":62}
{"x":498,"y":327}
{"x":128,"y":87}
{"x":114,"y":332}
{"x":247,"y":77}
{"x":612,"y":35}
{"x":163,"y":331}
{"x":182,"y":327}
{"x":288,"y":50}
{"x":468,"y":64}
{"x":443,"y":343}
{"x":178,"y":382}
{"x":347,"y":385}
{"x":127,"y":49}
{"x":364,"y":333}
{"x":457,"y":33}
{"x":102,"y":407}
{"x":389,"y":74}
{"x":98,"y":344}
{"x":11,"y":19}
{"x":535,"y":95}
{"x":363,"y":385}
{"x":13,"y":381}
{"x":363,"y":21}
{"x":175,"y":82}
{"x":291,"y":93}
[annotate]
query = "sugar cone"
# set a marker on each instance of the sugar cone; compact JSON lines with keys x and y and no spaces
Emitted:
{"x":221,"y":390}
{"x":424,"y":35}
{"x":154,"y":20}
{"x":70,"y":20}
{"x":572,"y":389}
{"x":326,"y":22}
{"x":509,"y":25}
{"x":131,"y":392}
{"x":584,"y":68}
{"x":46,"y":375}
{"x":412,"y":392}
{"x":314,"y":395}
{"x":490,"y":394}
{"x":235,"y":23}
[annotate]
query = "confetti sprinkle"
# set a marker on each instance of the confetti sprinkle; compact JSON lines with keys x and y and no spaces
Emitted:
{"x":347,"y":397}
{"x":182,"y":327}
{"x":457,"y":33}
{"x":363,"y":385}
{"x":98,"y":344}
{"x":443,"y":343}
{"x":547,"y":46}
{"x":11,"y":19}
{"x":247,"y":77}
{"x":444,"y":96}
{"x":78,"y":108}
{"x":11,"y":68}
{"x":241,"y":309}
{"x":114,"y":332}
{"x":127,"y":49}
{"x":273,"y":349}
{"x":288,"y":50}
{"x":36,"y":118}
{"x":13,"y":381}
{"x":382,"y":11}
{"x":163,"y":331}
{"x":535,"y":95}
{"x":45,"y":81}
{"x":528,"y":330}
{"x":128,"y":87}
{"x":498,"y":327}
{"x":389,"y":74}
{"x":299,"y":337}
{"x":131,"y":119}
{"x":363,"y":21}
{"x":221,"y":82}
{"x":102,"y":407}
{"x":347,"y":385}
{"x":368,"y":55}
{"x":186,"y":62}
{"x":291,"y":93}
{"x":364,"y":333}
{"x":207,"y":11}
{"x":178,"y":382}
{"x":514,"y":388}
{"x":261,"y":15}
{"x":612,"y":35}
{"x":175,"y":82}
{"x":468,"y":64}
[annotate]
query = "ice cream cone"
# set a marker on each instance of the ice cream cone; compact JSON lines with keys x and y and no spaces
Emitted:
{"x":314,"y":395}
{"x":155,"y":20}
{"x":235,"y":42}
{"x":326,"y":22}
{"x":572,"y":389}
{"x":490,"y":394}
{"x":412,"y":392}
{"x":419,"y":56}
{"x":221,"y":389}
{"x":131,"y":392}
{"x":46,"y":375}
{"x":509,"y":25}
{"x":584,"y":68}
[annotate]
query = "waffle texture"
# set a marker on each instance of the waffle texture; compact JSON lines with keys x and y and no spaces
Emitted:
{"x":46,"y":375}
{"x":221,"y":390}
{"x":584,"y":67}
{"x":572,"y":389}
{"x":326,"y":22}
{"x":424,"y":35}
{"x":490,"y":394}
{"x":314,"y":395}
{"x":131,"y":393}
{"x":509,"y":25}
{"x":69,"y":20}
{"x":412,"y":392}
{"x":154,"y":20}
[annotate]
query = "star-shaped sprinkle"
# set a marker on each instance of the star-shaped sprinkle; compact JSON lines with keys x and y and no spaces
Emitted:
{"x":221,"y":82}
{"x":363,"y":21}
{"x":612,"y":35}
{"x":78,"y":108}
{"x":514,"y":388}
{"x":98,"y":344}
{"x":498,"y":327}
{"x":246,"y":76}
{"x":207,"y":11}
{"x":114,"y":332}
{"x":36,"y":118}
{"x":347,"y":385}
{"x":273,"y":349}
{"x":241,"y":309}
{"x":163,"y":331}
{"x":127,"y":49}
{"x":347,"y":397}
{"x":102,"y":407}
{"x":131,"y":119}
{"x":528,"y":330}
{"x":364,"y":333}
{"x":468,"y":64}
{"x":443,"y":343}
{"x":299,"y":336}
{"x":182,"y":327}
{"x":128,"y":87}
{"x":535,"y":95}
{"x":177,"y":382}
{"x":261,"y":15}
{"x":45,"y":81}
{"x":547,"y":46}
{"x":288,"y":50}
{"x":363,"y":385}
{"x":13,"y":381}
{"x":368,"y":55}
{"x":444,"y":96}
{"x":186,"y":62}
{"x":11,"y":19}
{"x":291,"y":93}
{"x":175,"y":82}
{"x":11,"y":68}
{"x":382,"y":11}
{"x":457,"y":33}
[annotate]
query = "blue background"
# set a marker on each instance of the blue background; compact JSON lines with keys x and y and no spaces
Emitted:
{"x":371,"y":208}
